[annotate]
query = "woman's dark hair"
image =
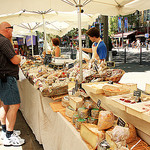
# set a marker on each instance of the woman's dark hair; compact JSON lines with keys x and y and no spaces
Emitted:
{"x":55,"y":41}
{"x":93,"y":32}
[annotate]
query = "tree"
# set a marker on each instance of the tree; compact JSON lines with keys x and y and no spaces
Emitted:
{"x":133,"y":22}
{"x":113,"y":25}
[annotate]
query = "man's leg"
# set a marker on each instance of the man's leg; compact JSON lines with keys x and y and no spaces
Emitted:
{"x":3,"y":113}
{"x":11,"y":139}
{"x":11,"y":116}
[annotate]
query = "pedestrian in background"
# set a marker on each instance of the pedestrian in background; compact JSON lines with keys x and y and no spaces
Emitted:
{"x":9,"y":93}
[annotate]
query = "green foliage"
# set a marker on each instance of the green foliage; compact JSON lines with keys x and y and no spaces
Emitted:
{"x":113,"y":22}
{"x":133,"y":22}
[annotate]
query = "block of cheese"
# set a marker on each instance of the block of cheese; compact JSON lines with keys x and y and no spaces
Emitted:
{"x":132,"y":134}
{"x":83,"y":112}
{"x":90,"y":134}
{"x":79,"y":122}
{"x":117,"y":137}
{"x":65,"y":101}
{"x":131,"y":86}
{"x":114,"y":145}
{"x":147,"y":88}
{"x":105,"y":120}
{"x":69,"y":111}
{"x":75,"y":102}
{"x":95,"y":113}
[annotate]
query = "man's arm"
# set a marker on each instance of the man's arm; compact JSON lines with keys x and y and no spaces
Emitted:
{"x":89,"y":50}
{"x":16,"y":59}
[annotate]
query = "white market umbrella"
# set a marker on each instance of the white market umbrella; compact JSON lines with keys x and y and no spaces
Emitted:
{"x":30,"y":27}
{"x":107,"y":7}
{"x":50,"y":16}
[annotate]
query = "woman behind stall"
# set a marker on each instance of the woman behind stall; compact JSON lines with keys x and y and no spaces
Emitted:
{"x":56,"y":51}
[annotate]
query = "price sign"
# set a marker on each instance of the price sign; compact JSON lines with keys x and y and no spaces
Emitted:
{"x":70,"y":66}
{"x":83,"y":61}
{"x":110,"y":64}
{"x":67,"y":75}
{"x":98,"y":102}
{"x":120,"y":122}
{"x":137,"y":93}
{"x":76,"y":86}
{"x":73,"y":91}
{"x":104,"y":145}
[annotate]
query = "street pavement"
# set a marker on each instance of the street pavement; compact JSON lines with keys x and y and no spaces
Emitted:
{"x":137,"y":71}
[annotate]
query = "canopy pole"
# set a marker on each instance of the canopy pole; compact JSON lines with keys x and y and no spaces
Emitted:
{"x":45,"y":42}
{"x":80,"y":41}
{"x":32,"y":43}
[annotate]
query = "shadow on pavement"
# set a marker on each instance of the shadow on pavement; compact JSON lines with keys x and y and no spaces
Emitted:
{"x":133,"y":61}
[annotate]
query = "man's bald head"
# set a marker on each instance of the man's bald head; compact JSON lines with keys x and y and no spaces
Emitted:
{"x":5,"y":31}
{"x":3,"y":25}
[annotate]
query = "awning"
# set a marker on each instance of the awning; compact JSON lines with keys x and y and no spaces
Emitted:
{"x":125,"y":35}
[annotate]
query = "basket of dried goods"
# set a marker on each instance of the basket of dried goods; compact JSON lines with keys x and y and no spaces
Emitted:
{"x":111,"y":90}
{"x":114,"y":75}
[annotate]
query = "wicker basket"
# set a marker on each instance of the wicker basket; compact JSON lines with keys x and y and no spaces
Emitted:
{"x":111,"y":90}
{"x":117,"y":77}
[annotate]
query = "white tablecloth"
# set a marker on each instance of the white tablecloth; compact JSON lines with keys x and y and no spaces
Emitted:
{"x":50,"y":128}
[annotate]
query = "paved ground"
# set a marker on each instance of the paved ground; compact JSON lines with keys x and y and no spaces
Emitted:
{"x":136,"y":71}
{"x":31,"y":143}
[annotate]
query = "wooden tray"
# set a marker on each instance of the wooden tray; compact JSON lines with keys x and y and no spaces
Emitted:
{"x":140,"y":146}
{"x":113,"y":90}
{"x":136,"y":109}
{"x":95,"y":87}
{"x":57,"y":106}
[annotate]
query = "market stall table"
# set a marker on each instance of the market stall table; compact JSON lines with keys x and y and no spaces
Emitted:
{"x":50,"y":128}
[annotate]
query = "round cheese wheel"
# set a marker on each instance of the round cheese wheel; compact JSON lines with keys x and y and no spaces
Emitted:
{"x":83,"y":112}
